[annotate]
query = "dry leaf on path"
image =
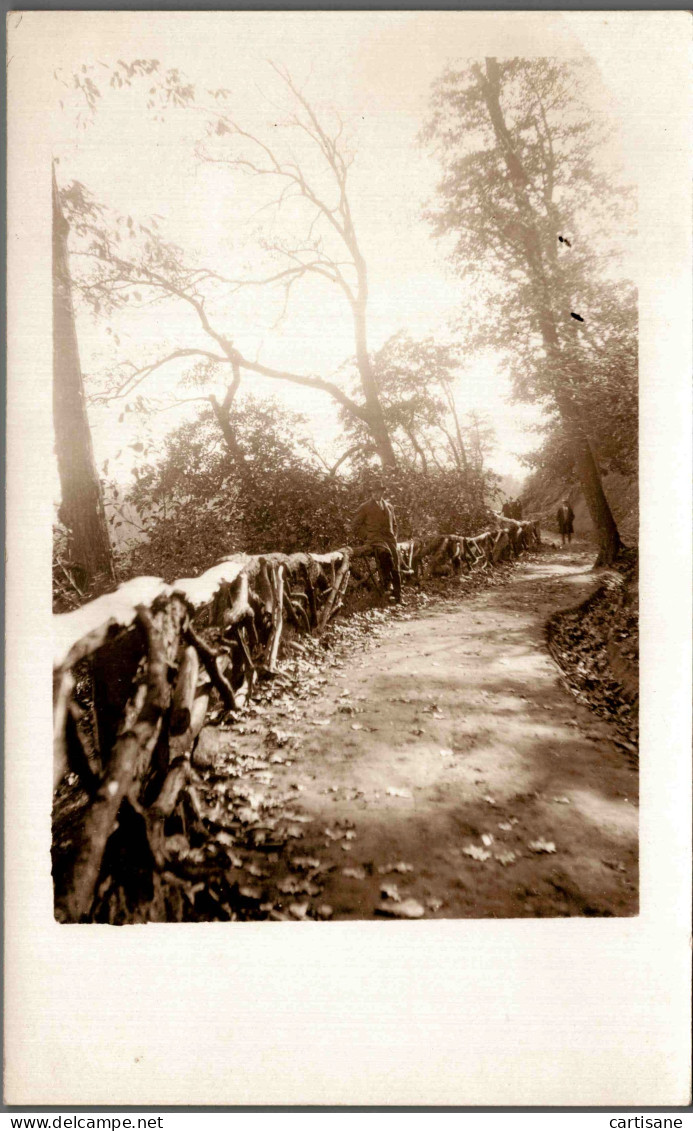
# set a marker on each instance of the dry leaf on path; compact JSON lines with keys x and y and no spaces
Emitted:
{"x":476,"y":853}
{"x":249,"y":892}
{"x":354,"y":873}
{"x":542,"y":845}
{"x":280,"y":737}
{"x":390,"y":891}
{"x":304,"y":863}
{"x":407,"y":909}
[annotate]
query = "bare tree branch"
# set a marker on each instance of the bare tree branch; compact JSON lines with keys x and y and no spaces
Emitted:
{"x":139,"y":375}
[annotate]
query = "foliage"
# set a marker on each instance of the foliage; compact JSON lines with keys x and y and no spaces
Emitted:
{"x":607,"y":401}
{"x":85,"y":87}
{"x":416,"y":380}
{"x":537,"y":223}
{"x":597,"y":645}
{"x":196,"y":506}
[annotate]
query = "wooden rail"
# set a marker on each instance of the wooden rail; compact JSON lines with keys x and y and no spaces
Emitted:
{"x":148,"y":658}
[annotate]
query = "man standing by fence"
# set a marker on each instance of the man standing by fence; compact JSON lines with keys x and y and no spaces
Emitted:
{"x":565,"y":518}
{"x":374,"y":523}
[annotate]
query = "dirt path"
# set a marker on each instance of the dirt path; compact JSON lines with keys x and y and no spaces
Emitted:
{"x":442,"y":762}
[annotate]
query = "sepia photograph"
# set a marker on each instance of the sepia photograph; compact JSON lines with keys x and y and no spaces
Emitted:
{"x":345,"y":564}
{"x":348,"y":571}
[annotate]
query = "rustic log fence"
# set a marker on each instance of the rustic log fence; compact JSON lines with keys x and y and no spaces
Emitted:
{"x":145,"y":662}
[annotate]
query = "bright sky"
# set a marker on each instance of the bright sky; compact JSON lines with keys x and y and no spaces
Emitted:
{"x":376,"y":69}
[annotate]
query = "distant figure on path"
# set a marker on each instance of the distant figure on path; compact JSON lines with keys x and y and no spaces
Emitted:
{"x":512,"y":509}
{"x":565,"y":517}
{"x":374,"y":523}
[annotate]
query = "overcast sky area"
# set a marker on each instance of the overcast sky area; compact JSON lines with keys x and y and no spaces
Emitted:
{"x":376,"y":71}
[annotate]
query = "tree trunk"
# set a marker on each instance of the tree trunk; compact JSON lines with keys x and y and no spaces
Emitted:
{"x":81,"y":510}
{"x":376,"y":420}
{"x":229,"y":433}
{"x":447,"y":392}
{"x":605,"y":528}
{"x":600,"y":512}
{"x":418,"y":450}
{"x":604,"y":525}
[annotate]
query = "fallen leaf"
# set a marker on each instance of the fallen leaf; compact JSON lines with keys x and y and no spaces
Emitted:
{"x":390,"y":891}
{"x":304,"y":863}
{"x":249,"y":892}
{"x":290,"y":886}
{"x":299,"y":910}
{"x":476,"y":853}
{"x":280,"y":737}
{"x":399,"y":867}
{"x":486,"y":839}
{"x":488,"y":799}
{"x":355,"y":873}
{"x":542,"y":845}
{"x":177,"y":845}
{"x":505,"y":857}
{"x":407,"y":909}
